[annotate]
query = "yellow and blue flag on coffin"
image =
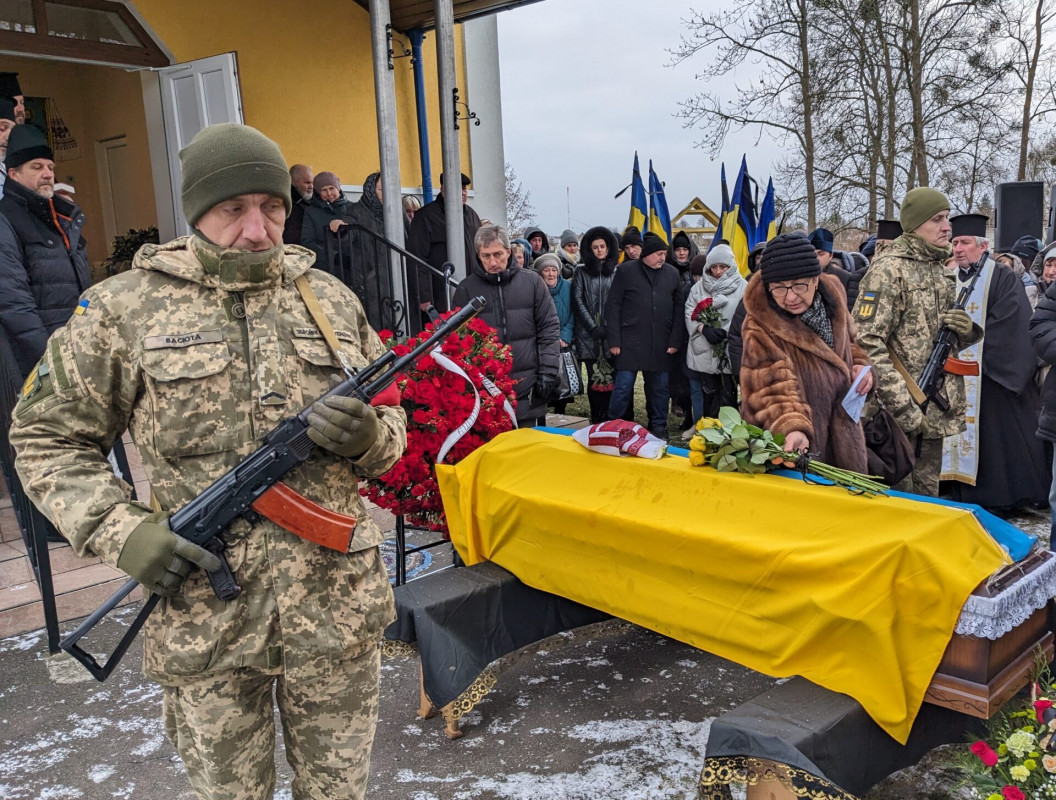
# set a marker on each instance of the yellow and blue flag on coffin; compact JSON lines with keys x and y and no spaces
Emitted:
{"x":639,"y":213}
{"x":659,"y":216}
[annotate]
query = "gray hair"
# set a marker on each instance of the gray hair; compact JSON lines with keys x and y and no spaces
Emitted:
{"x":489,"y":234}
{"x":411,"y":203}
{"x":299,"y":170}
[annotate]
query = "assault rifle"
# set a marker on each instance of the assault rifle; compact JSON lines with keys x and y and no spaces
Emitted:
{"x":939,"y":362}
{"x":252,"y":489}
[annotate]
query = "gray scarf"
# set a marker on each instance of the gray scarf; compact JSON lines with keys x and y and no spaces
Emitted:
{"x":817,"y":319}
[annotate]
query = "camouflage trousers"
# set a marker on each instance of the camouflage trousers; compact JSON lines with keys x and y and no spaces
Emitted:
{"x":924,"y":479}
{"x":224,"y":729}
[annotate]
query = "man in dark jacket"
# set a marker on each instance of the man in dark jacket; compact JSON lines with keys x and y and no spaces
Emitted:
{"x":643,"y":317}
{"x":427,"y":239}
{"x":539,"y":241}
{"x":1043,"y":336}
{"x":522,"y":312}
{"x":631,"y":243}
{"x":301,"y":189}
{"x":43,"y":263}
{"x":831,"y":261}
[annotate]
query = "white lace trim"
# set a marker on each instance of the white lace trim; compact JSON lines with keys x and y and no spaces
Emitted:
{"x":993,"y":617}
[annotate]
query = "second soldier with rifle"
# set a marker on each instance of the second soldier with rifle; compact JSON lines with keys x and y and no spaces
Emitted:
{"x":199,"y":351}
{"x":906,"y":298}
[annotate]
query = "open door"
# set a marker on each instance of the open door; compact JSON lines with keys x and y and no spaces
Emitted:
{"x":194,"y":95}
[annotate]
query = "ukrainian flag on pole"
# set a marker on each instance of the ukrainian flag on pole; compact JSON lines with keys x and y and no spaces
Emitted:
{"x":659,"y":216}
{"x":766,"y":228}
{"x":733,"y":228}
{"x":639,"y":213}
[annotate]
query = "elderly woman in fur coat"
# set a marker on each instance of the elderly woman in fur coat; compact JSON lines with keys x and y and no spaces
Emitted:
{"x":800,"y":356}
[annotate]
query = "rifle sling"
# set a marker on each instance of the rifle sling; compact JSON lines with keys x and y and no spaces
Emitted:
{"x":316,"y":310}
{"x":911,"y":383}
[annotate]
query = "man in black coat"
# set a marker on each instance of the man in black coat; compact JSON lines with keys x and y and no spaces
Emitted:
{"x":43,"y":263}
{"x":643,"y":318}
{"x":427,"y":239}
{"x":522,"y":312}
{"x":301,"y":177}
{"x":831,"y":261}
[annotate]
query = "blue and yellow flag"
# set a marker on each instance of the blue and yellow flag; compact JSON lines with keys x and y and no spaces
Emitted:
{"x":766,"y":227}
{"x":639,"y":213}
{"x":659,"y":216}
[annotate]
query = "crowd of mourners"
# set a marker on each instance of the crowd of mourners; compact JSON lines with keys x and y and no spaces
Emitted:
{"x":794,"y":336}
{"x":785,"y":337}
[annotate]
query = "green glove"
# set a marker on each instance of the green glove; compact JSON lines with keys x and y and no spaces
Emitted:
{"x":161,"y":560}
{"x":959,"y":322}
{"x":343,"y":425}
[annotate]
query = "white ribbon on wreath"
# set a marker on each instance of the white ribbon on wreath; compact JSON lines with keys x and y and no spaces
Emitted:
{"x":453,"y":438}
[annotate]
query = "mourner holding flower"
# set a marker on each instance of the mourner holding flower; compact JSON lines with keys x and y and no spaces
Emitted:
{"x":800,"y":356}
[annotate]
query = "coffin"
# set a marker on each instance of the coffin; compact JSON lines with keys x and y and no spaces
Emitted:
{"x":1002,"y":629}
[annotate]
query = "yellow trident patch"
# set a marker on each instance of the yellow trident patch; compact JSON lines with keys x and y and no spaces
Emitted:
{"x":866,"y":305}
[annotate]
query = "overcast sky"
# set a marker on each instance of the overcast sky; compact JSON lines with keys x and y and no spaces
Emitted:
{"x":585,"y":83}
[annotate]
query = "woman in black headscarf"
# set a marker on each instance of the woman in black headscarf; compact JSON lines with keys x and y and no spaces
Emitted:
{"x":364,"y":259}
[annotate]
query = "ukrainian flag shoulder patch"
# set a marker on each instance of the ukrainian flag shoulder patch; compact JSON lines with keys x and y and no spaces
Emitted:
{"x":81,"y":307}
{"x":867,"y":305}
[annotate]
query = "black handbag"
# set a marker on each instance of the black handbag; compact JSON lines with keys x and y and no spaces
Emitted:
{"x":568,"y":384}
{"x":891,"y":454}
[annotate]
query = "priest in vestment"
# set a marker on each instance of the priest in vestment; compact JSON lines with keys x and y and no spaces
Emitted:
{"x":997,"y":462}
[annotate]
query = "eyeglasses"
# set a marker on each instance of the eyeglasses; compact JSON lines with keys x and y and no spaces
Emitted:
{"x":798,"y":288}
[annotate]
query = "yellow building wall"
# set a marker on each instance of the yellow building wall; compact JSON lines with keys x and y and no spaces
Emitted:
{"x":96,"y":103}
{"x":307,"y":81}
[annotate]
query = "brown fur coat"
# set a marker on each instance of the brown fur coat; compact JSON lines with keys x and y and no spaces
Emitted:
{"x":792,"y":381}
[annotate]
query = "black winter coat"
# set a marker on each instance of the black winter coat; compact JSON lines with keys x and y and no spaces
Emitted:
{"x":590,"y":289}
{"x":850,"y":280}
{"x":43,"y":269}
{"x":316,"y":234}
{"x":293,"y":230}
{"x":427,"y":239}
{"x":643,"y":316}
{"x":1043,"y":337}
{"x":522,"y":311}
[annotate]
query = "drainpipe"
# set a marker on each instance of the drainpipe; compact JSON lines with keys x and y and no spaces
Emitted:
{"x":417,"y":36}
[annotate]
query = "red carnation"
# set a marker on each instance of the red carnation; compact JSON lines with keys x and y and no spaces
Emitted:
{"x":985,"y":753}
{"x":1013,"y":793}
{"x":1040,"y":707}
{"x":436,"y":402}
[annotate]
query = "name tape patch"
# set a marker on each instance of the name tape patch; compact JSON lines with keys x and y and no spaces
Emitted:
{"x":182,"y":339}
{"x":315,"y":333}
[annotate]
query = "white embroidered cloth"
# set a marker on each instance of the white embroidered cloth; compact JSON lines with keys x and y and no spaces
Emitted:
{"x":993,"y":617}
{"x":619,"y":437}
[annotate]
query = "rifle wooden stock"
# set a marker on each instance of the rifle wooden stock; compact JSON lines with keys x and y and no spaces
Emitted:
{"x":305,"y":518}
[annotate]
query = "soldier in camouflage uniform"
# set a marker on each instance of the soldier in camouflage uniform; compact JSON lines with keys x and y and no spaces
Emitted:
{"x":200,"y":350}
{"x":904,"y":298}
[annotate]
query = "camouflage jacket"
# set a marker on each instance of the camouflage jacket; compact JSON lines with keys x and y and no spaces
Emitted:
{"x":200,"y":357}
{"x":900,"y":300}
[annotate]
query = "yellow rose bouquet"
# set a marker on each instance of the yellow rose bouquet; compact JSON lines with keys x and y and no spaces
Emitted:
{"x":729,"y":444}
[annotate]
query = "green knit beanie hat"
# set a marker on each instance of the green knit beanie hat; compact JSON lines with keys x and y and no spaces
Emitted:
{"x":920,"y":205}
{"x":227,"y":160}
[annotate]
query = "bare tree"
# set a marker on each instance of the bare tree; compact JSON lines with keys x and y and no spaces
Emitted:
{"x":1023,"y":24}
{"x":781,"y":100}
{"x":519,"y":209}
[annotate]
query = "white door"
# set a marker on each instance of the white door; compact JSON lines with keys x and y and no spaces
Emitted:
{"x":193,"y":96}
{"x":115,"y":175}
